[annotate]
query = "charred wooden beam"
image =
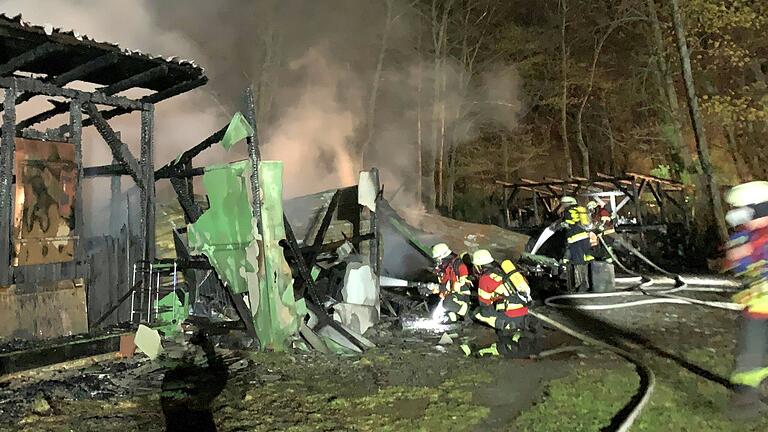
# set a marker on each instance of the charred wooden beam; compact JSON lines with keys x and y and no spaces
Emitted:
{"x":324,"y":225}
{"x":153,"y":98}
{"x":147,"y":174}
{"x":39,"y":87}
{"x":178,"y":164}
{"x":307,"y":283}
{"x":61,"y":107}
{"x":76,"y":73}
{"x":135,"y":80}
{"x":75,"y":122}
{"x":120,"y":151}
{"x":28,"y":57}
{"x":105,"y":171}
{"x":46,"y":135}
{"x":58,"y":108}
{"x":6,"y":183}
{"x":191,"y":208}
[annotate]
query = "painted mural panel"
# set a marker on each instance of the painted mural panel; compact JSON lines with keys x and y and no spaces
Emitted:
{"x":44,"y":207}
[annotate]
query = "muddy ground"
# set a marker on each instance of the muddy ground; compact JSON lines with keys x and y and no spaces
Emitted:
{"x":411,"y":383}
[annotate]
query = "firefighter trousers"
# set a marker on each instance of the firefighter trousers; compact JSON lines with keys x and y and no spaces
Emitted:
{"x":751,"y":352}
{"x":579,"y":251}
{"x":456,"y":306}
{"x":499,"y":320}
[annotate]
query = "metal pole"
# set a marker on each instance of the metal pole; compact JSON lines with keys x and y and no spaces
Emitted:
{"x":254,"y":155}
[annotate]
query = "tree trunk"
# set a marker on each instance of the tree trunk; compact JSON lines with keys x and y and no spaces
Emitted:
{"x":702,"y":147}
{"x":375,"y":86}
{"x":440,"y":37}
{"x":742,"y":171}
{"x":419,"y":140}
{"x":564,"y":105}
{"x":611,"y":146}
{"x":685,"y":162}
{"x":579,"y":115}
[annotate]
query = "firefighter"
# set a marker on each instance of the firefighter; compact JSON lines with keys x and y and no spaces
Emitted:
{"x":504,"y":297}
{"x":605,"y":228}
{"x":577,"y":223}
{"x":747,"y":257}
{"x":454,"y":281}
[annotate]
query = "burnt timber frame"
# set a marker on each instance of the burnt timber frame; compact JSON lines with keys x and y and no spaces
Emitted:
{"x":37,"y":62}
{"x":548,"y":191}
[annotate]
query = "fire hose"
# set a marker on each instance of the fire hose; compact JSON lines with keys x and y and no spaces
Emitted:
{"x":644,"y":289}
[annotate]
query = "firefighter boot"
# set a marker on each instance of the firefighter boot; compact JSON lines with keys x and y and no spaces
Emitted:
{"x":745,"y":403}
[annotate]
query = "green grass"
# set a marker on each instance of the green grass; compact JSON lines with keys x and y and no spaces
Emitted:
{"x":682,"y":401}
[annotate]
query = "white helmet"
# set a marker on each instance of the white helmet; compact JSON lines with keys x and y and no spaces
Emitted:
{"x":745,"y":194}
{"x":440,"y":251}
{"x":592,"y":205}
{"x":568,"y":201}
{"x":739,"y":216}
{"x":482,"y":257}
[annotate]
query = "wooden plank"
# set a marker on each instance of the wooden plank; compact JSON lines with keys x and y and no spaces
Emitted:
{"x":7,"y":148}
{"x":75,"y":127}
{"x":119,"y":150}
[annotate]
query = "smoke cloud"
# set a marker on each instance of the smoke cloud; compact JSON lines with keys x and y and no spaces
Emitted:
{"x":312,"y":65}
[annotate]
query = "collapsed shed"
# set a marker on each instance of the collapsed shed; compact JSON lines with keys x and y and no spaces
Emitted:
{"x":47,"y":268}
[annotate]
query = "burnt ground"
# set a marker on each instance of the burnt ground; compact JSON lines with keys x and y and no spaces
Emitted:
{"x":409,"y":382}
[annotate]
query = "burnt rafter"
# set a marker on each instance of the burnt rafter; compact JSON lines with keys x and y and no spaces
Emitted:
{"x":76,"y":73}
{"x":177,"y":165}
{"x":149,"y":99}
{"x":28,"y":57}
{"x":61,"y":107}
{"x":135,"y":81}
{"x":39,"y":87}
{"x":120,"y":151}
{"x":105,"y":171}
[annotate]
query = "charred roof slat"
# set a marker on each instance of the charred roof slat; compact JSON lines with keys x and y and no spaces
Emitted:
{"x":115,"y":88}
{"x":78,"y":72}
{"x":52,"y":51}
{"x":26,"y":57}
{"x":135,"y":80}
{"x":39,"y":87}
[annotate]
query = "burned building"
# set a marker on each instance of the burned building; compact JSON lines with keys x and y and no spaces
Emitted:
{"x":47,"y":271}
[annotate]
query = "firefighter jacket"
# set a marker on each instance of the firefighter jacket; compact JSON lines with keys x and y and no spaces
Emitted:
{"x":604,"y":221}
{"x":747,"y":257}
{"x":506,"y":291}
{"x":453,"y":276}
{"x":576,"y":220}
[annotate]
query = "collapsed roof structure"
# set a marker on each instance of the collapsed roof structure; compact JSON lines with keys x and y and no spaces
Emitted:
{"x":44,"y":262}
{"x":528,"y":204}
{"x":236,"y":259}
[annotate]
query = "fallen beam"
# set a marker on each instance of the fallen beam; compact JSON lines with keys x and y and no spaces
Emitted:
{"x":16,"y":361}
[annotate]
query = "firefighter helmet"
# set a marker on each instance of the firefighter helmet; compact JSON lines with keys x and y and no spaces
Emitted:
{"x":745,"y":194}
{"x":440,"y":251}
{"x":482,"y":257}
{"x":568,"y":201}
{"x":739,"y":216}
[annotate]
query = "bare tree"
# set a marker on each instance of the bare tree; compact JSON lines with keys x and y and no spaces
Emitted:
{"x":669,"y":92}
{"x":583,"y":149}
{"x":564,"y":105}
{"x":376,"y":83}
{"x":702,"y":146}
{"x":439,"y":42}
